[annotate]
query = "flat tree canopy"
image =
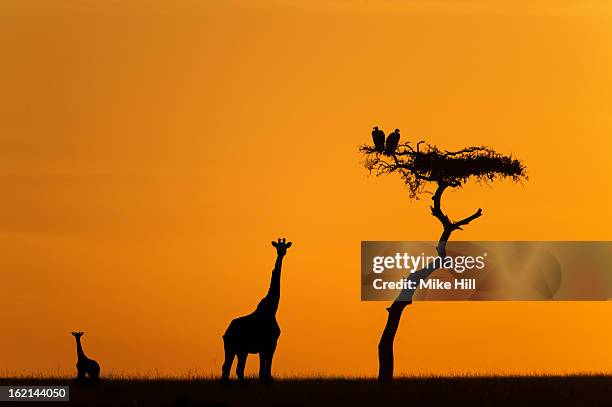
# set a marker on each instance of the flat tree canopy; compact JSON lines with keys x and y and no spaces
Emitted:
{"x":427,"y":163}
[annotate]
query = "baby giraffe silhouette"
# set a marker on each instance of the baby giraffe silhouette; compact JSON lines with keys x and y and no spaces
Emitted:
{"x":86,"y":368}
{"x":257,"y":332}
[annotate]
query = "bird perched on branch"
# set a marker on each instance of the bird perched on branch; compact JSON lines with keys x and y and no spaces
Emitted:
{"x":392,"y":142}
{"x":378,"y":136}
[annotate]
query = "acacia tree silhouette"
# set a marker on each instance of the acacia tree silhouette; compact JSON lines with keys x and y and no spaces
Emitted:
{"x":419,"y":167}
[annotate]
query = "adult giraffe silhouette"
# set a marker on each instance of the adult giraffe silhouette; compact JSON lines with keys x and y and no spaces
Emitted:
{"x":257,"y":332}
{"x":86,"y":368}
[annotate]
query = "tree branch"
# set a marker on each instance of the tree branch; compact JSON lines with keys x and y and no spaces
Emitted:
{"x":436,"y":209}
{"x":463,"y":222}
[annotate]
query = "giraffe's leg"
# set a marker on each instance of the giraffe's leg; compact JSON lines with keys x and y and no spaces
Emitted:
{"x":262,"y":366}
{"x":268,"y":356}
{"x":242,"y":357}
{"x":227,"y":364}
{"x":94,"y":371}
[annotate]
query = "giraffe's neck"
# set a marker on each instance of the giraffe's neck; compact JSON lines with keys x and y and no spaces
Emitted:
{"x":80,"y":353}
{"x":269,"y":304}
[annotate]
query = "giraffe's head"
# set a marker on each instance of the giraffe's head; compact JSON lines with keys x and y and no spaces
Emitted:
{"x":77,"y":334}
{"x":281,"y":246}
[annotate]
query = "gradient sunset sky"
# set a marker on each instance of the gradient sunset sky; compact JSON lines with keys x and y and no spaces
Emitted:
{"x":150,"y":150}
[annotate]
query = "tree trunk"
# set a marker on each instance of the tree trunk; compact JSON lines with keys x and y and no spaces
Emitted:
{"x":385,"y":346}
{"x":394,"y":312}
{"x":394,"y":315}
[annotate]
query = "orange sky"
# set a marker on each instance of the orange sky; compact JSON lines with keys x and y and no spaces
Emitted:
{"x":150,"y":150}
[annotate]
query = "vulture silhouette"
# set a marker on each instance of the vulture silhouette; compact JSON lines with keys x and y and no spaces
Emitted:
{"x":378,"y":136}
{"x":392,"y":142}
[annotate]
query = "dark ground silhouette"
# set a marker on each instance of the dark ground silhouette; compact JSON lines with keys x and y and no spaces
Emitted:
{"x":257,"y":332}
{"x":87,"y":369}
{"x":453,"y":391}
